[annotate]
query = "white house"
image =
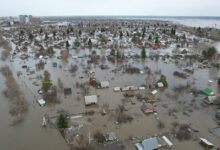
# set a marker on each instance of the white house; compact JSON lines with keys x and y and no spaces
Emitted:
{"x":92,"y":99}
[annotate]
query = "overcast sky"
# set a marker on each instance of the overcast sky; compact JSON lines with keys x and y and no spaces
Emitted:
{"x":110,"y":7}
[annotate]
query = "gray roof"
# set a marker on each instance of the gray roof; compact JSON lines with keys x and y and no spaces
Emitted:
{"x":148,"y":144}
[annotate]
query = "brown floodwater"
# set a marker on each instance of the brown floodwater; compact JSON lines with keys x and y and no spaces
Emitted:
{"x":30,"y":135}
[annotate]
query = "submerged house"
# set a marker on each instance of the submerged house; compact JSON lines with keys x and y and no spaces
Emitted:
{"x":147,"y":108}
{"x":148,"y":144}
{"x":129,"y":88}
{"x":67,"y":91}
{"x":111,"y":136}
{"x":210,"y":99}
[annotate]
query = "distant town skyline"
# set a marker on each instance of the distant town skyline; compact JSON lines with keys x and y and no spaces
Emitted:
{"x":110,"y":7}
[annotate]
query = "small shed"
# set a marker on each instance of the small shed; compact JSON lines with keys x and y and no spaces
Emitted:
{"x":117,"y":89}
{"x":74,"y":56}
{"x":160,"y":85}
{"x":208,"y":92}
{"x":168,"y":142}
{"x":141,"y":88}
{"x":41,"y":57}
{"x":104,"y":84}
{"x":41,"y":102}
{"x":154,"y":92}
{"x":92,"y":99}
{"x":130,"y":88}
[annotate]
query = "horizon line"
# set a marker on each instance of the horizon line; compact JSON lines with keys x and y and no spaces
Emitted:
{"x":115,"y":16}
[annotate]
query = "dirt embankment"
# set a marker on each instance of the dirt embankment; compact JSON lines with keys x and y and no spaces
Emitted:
{"x":18,"y":105}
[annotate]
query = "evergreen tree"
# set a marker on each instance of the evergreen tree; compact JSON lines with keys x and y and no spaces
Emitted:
{"x":46,"y":82}
{"x":30,"y":37}
{"x":143,"y":53}
{"x":156,"y":40}
{"x":62,"y":122}
{"x":80,"y":32}
{"x":54,"y":33}
{"x":46,"y":36}
{"x":67,"y":31}
{"x":112,"y":52}
{"x":50,"y":50}
{"x":67,"y":44}
{"x":77,"y":42}
{"x":90,"y":43}
{"x":118,"y":55}
{"x":143,"y":32}
{"x":41,"y":30}
{"x":150,"y":37}
{"x":121,"y":34}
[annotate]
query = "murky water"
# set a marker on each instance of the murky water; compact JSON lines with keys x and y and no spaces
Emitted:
{"x":30,"y":134}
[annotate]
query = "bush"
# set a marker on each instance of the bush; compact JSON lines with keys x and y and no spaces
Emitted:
{"x":113,"y":52}
{"x":46,"y":84}
{"x":163,"y":80}
{"x":77,"y":42}
{"x":209,"y":53}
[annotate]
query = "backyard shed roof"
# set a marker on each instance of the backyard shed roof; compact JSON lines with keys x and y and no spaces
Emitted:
{"x":104,"y":84}
{"x":41,"y":102}
{"x":208,"y":91}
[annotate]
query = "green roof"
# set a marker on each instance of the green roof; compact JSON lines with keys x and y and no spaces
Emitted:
{"x":208,"y":91}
